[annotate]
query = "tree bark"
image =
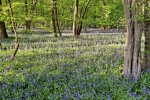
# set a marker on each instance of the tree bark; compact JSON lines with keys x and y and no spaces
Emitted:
{"x":1,"y":46}
{"x":29,"y":20}
{"x":75,"y":17}
{"x":132,"y":67}
{"x":14,"y":31}
{"x":53,"y":18}
{"x":83,"y":14}
{"x":146,"y":62}
{"x":57,"y":21}
{"x":3,"y":33}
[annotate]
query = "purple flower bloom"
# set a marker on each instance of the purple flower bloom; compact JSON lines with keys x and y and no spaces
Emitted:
{"x":86,"y":95}
{"x":1,"y":84}
{"x":34,"y":81}
{"x":20,"y":70}
{"x":109,"y":98}
{"x":134,"y":94}
{"x":146,"y":90}
{"x":148,"y":70}
{"x":14,"y":89}
{"x":66,"y":97}
{"x":78,"y":96}
{"x":90,"y":84}
{"x":4,"y":86}
{"x":26,"y":95}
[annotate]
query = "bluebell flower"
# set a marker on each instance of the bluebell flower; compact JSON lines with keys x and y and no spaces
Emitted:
{"x":66,"y":89}
{"x":66,"y":97}
{"x":86,"y":95}
{"x":134,"y":94}
{"x":146,"y":90}
{"x":148,"y":70}
{"x":26,"y":95}
{"x":78,"y":96}
{"x":4,"y":86}
{"x":34,"y":81}
{"x":14,"y":89}
{"x":109,"y":98}
{"x":1,"y":84}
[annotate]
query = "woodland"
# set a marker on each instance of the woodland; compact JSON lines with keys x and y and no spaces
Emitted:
{"x":74,"y":49}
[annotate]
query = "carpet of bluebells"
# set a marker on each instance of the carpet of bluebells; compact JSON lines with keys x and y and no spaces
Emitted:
{"x":67,"y":68}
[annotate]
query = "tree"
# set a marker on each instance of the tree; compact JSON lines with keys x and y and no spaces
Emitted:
{"x":132,"y":67}
{"x":55,"y":22}
{"x":146,"y":62}
{"x":14,"y":31}
{"x":75,"y":17}
{"x":29,"y":14}
{"x":79,"y":16}
{"x":3,"y":33}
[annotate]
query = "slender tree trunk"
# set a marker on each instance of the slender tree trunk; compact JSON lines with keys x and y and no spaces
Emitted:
{"x":14,"y":31}
{"x":29,"y":17}
{"x":82,"y":15}
{"x":3,"y":33}
{"x":103,"y":15}
{"x":53,"y":18}
{"x":75,"y":17}
{"x":27,"y":28}
{"x":57,"y":21}
{"x":132,"y":67}
{"x":146,"y":63}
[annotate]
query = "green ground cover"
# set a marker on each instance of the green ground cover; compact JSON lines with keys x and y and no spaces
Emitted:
{"x":68,"y":68}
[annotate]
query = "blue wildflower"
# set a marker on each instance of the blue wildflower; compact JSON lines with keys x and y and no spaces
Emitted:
{"x":26,"y":95}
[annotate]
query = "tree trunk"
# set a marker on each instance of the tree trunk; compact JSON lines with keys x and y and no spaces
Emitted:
{"x":146,"y":63}
{"x":132,"y":67}
{"x":75,"y":17}
{"x":3,"y":33}
{"x":14,"y":31}
{"x":28,"y":21}
{"x":53,"y":18}
{"x":1,"y":46}
{"x":56,"y":19}
{"x":28,"y":26}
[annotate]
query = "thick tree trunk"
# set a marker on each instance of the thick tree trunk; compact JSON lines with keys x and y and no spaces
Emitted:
{"x":132,"y":67}
{"x":146,"y":63}
{"x":3,"y":33}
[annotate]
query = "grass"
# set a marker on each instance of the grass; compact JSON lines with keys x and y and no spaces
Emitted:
{"x":68,"y":68}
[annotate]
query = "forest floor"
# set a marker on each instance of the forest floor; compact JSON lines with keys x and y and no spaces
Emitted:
{"x":68,"y":68}
{"x":87,"y":31}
